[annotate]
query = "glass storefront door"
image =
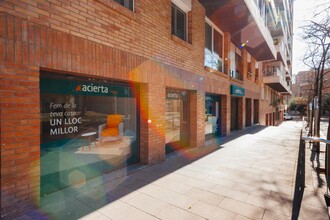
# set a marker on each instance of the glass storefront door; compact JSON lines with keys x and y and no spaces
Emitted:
{"x":212,"y":115}
{"x":88,"y":128}
{"x":177,"y":120}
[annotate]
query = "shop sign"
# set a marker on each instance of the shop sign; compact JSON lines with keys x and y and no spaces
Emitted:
{"x":176,"y":94}
{"x":71,"y":87}
{"x":208,"y":98}
{"x":236,"y":90}
{"x":212,"y":98}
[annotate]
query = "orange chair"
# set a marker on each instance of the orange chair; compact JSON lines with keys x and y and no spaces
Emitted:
{"x":113,"y":130}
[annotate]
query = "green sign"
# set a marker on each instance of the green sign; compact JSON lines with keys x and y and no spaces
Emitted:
{"x":73,"y":87}
{"x":236,"y":90}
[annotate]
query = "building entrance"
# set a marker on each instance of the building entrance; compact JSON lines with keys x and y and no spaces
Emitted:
{"x":212,"y":116}
{"x":177,"y":120}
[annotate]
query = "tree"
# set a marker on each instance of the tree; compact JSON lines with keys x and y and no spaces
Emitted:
{"x":298,"y":104}
{"x":326,"y":103}
{"x":317,"y":36}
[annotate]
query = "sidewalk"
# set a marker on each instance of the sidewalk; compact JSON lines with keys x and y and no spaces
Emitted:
{"x":250,"y":177}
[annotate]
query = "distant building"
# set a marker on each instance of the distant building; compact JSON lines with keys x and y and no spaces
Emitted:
{"x":304,"y":84}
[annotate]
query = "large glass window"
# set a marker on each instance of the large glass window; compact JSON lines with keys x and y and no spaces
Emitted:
{"x":127,"y":4}
{"x":179,"y":22}
{"x":88,"y":128}
{"x":238,"y":63}
{"x":213,"y":48}
{"x":177,"y":119}
{"x":212,"y":115}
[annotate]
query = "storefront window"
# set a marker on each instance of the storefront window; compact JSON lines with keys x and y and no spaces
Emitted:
{"x":88,"y":128}
{"x":212,"y":115}
{"x":177,"y":120}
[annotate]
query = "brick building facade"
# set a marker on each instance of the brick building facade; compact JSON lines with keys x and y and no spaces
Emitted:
{"x":103,"y":44}
{"x":304,"y":83}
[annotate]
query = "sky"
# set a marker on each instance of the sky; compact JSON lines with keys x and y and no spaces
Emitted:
{"x":303,"y":10}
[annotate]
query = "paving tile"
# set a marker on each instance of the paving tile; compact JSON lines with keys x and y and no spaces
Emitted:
{"x":130,"y":196}
{"x":192,"y":174}
{"x":230,"y":193}
{"x":95,"y":215}
{"x":191,"y":181}
{"x":242,"y":208}
{"x":221,"y":181}
{"x":240,"y":217}
{"x":308,"y":212}
{"x":314,"y":199}
{"x":172,"y":185}
{"x":205,"y":196}
{"x":116,"y":210}
{"x":269,"y":215}
{"x":168,"y":196}
{"x":249,"y":188}
{"x":138,"y":214}
{"x":279,"y":206}
{"x":211,"y":212}
{"x":147,"y":204}
{"x":171,"y":212}
{"x":118,"y":192}
{"x":145,"y":176}
{"x":177,"y":177}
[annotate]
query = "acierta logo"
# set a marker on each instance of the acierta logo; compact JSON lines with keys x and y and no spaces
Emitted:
{"x":92,"y":88}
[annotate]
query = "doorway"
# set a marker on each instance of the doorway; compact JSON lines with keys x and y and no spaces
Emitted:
{"x":177,"y":120}
{"x":212,"y":116}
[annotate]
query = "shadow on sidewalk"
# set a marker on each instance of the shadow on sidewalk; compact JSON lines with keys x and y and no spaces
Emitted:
{"x":234,"y":134}
{"x":300,"y":180}
{"x":79,"y":201}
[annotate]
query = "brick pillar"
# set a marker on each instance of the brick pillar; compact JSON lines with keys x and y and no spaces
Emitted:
{"x":197,"y":119}
{"x":228,"y":114}
{"x":19,"y":118}
{"x":241,"y":113}
{"x":227,"y":41}
{"x":20,"y":139}
{"x":225,"y":125}
{"x":152,"y":135}
{"x":244,"y":65}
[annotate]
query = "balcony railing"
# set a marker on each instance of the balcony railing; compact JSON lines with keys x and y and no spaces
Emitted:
{"x":236,"y":74}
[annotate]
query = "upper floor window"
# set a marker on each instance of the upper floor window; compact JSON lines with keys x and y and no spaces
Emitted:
{"x":213,"y":48}
{"x":238,"y":64}
{"x":127,"y":4}
{"x":179,"y":22}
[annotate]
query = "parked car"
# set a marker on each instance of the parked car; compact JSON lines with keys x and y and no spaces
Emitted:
{"x":287,"y":116}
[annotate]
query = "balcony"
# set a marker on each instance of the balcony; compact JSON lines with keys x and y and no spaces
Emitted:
{"x":279,"y":43}
{"x":242,"y":19}
{"x":274,"y":77}
{"x":288,"y":75}
{"x":236,"y":75}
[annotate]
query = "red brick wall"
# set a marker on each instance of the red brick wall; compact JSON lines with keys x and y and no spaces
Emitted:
{"x":53,"y":36}
{"x":92,"y":39}
{"x":197,"y":119}
{"x":20,"y":140}
{"x":115,"y":26}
